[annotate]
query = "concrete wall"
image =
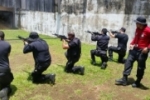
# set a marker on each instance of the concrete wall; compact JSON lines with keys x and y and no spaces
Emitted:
{"x":82,"y":15}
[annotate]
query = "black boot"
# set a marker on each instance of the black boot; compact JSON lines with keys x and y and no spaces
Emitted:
{"x":104,"y":65}
{"x":78,"y":70}
{"x":136,"y":84}
{"x":51,"y":78}
{"x":4,"y":93}
{"x":82,"y":70}
{"x":122,"y":81}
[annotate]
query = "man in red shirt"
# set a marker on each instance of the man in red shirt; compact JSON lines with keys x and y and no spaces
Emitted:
{"x":139,"y":48}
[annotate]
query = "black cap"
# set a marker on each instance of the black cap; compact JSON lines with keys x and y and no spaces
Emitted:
{"x":33,"y":36}
{"x":71,"y":33}
{"x":141,"y":20}
{"x":104,"y":30}
{"x":123,"y":29}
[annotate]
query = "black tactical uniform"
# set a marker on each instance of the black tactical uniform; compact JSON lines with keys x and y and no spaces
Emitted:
{"x":121,"y":48}
{"x":42,"y":58}
{"x":73,"y":55}
{"x":6,"y":77}
{"x":101,"y":49}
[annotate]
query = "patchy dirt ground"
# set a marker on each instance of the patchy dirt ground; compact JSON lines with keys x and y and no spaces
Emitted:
{"x":79,"y":90}
{"x":73,"y":87}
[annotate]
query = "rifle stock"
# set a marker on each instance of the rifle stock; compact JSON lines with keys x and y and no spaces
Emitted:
{"x":114,"y":32}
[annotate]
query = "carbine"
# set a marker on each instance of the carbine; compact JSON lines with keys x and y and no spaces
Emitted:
{"x":95,"y":33}
{"x":61,"y":36}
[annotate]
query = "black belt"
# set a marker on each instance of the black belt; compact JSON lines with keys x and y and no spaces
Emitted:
{"x":137,"y":49}
{"x":4,"y":70}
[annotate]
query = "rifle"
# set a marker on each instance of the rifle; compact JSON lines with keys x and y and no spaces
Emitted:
{"x":114,"y":31}
{"x":22,"y":38}
{"x":11,"y":39}
{"x":95,"y":33}
{"x":25,"y":39}
{"x":61,"y":36}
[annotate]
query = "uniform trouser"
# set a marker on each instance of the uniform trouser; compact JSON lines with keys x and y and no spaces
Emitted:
{"x":135,"y":55}
{"x":70,"y":64}
{"x":121,"y":53}
{"x":5,"y":79}
{"x":99,"y":53}
{"x":39,"y":69}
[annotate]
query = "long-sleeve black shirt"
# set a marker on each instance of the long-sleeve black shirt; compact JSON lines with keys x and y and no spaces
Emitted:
{"x":74,"y":48}
{"x":102,"y":41}
{"x":122,"y":40}
{"x":5,"y":50}
{"x":40,"y":50}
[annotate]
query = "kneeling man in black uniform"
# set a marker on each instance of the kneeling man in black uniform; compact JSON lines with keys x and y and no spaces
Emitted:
{"x":122,"y":45}
{"x":42,"y":58}
{"x":6,"y":77}
{"x":101,"y":49}
{"x":73,"y":46}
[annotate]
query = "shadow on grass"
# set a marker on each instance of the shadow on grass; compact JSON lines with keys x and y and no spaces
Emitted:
{"x":96,"y":64}
{"x":29,"y":75}
{"x":30,"y":79}
{"x":63,"y":66}
{"x":143,"y":87}
{"x":116,"y":62}
{"x":131,"y":81}
{"x":14,"y":89}
{"x":99,"y":65}
{"x":76,"y":73}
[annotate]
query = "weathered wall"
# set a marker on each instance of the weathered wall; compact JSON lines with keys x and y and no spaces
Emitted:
{"x":77,"y":16}
{"x":61,"y":16}
{"x":41,"y":22}
{"x":32,"y":5}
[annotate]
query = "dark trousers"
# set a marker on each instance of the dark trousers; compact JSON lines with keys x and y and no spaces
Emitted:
{"x":99,"y":53}
{"x":39,"y":69}
{"x":70,"y":64}
{"x":121,"y":53}
{"x":135,"y":55}
{"x":5,"y":79}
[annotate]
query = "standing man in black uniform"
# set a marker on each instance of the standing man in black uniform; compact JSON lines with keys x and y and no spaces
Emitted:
{"x":42,"y":58}
{"x":6,"y":77}
{"x":122,"y":45}
{"x":73,"y":46}
{"x":101,"y":49}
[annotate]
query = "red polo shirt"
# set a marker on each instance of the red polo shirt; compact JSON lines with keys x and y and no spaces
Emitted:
{"x":142,"y":38}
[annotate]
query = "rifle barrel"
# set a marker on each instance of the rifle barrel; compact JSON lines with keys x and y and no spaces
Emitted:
{"x":11,"y":39}
{"x":20,"y":39}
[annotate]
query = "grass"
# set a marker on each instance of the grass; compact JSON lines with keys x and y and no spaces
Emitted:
{"x":96,"y":84}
